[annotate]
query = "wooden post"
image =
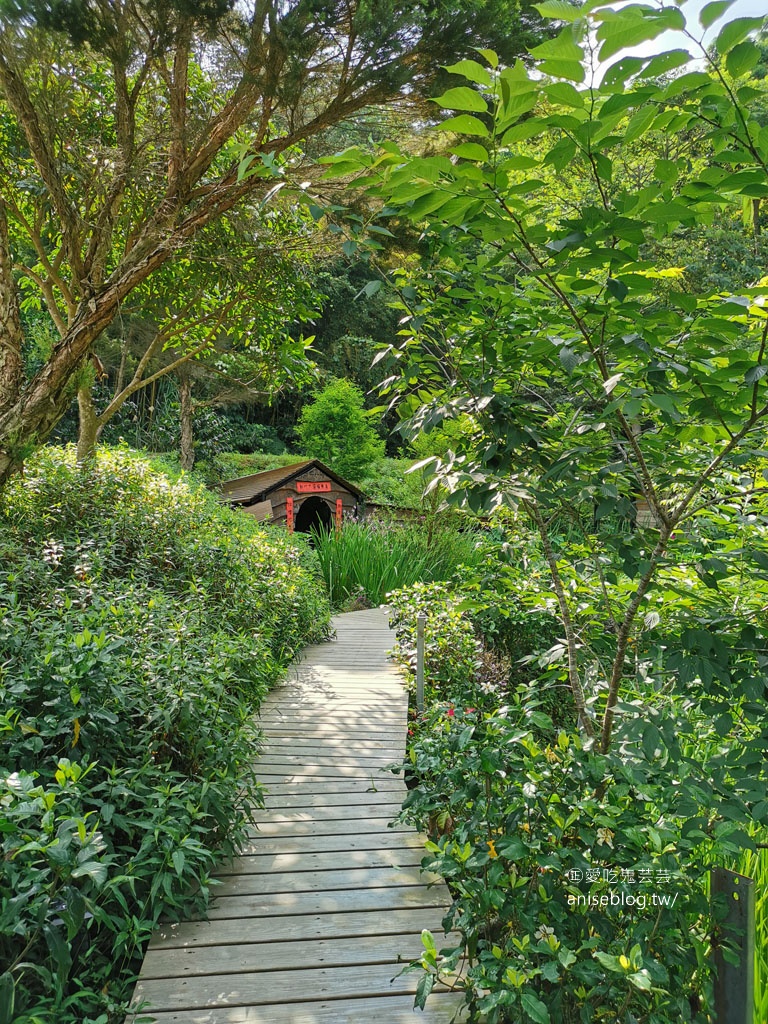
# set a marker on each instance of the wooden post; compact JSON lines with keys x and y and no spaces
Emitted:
{"x":339,"y":515}
{"x":421,"y":619}
{"x":734,"y":983}
{"x":289,"y":514}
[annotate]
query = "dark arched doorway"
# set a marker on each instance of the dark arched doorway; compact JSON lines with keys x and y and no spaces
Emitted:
{"x":313,"y":514}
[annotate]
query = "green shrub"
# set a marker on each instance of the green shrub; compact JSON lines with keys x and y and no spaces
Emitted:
{"x":479,"y":651}
{"x":452,"y":651}
{"x":531,"y":834}
{"x":140,"y":624}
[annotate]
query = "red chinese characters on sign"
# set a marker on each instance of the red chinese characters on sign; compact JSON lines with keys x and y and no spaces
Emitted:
{"x":339,"y":513}
{"x":289,"y":514}
{"x":312,"y":486}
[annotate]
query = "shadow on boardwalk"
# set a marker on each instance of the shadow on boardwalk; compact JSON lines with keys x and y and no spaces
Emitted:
{"x":311,"y":925}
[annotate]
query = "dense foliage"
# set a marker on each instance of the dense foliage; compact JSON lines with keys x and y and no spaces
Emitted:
{"x":140,"y":624}
{"x":579,"y":880}
{"x":617,"y":399}
{"x":336,"y":428}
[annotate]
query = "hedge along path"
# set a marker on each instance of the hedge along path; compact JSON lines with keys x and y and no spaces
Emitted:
{"x":313,"y":923}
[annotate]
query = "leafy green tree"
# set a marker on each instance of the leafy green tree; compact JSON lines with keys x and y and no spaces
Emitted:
{"x":522,"y":308}
{"x":599,"y":381}
{"x":337,"y":429}
{"x":128,"y":128}
{"x":227,"y":305}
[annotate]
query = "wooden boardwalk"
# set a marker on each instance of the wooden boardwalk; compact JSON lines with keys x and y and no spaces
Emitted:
{"x":313,"y":923}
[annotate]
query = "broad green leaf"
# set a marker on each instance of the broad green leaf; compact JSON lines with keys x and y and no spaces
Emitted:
{"x":59,"y":950}
{"x":462,"y":98}
{"x":559,"y":10}
{"x":735,"y":31}
{"x":712,"y":11}
{"x":470,"y":70}
{"x":428,"y":203}
{"x":424,"y":987}
{"x":245,"y":163}
{"x":608,"y":961}
{"x":535,"y":1009}
{"x":91,"y":869}
{"x":572,"y":70}
{"x":690,"y":80}
{"x":639,"y":123}
{"x":755,"y":373}
{"x":662,"y":213}
{"x":667,"y":404}
{"x":742,"y":58}
{"x":519,"y":163}
{"x":562,"y":47}
{"x":723,"y":725}
{"x":471,"y":151}
{"x":618,"y":73}
{"x":464,"y":124}
{"x":641,"y":980}
{"x":663,"y":63}
{"x":568,"y":359}
{"x":517,"y":103}
{"x":666,"y":171}
{"x":565,"y":94}
{"x":561,"y":154}
{"x":7,"y":998}
{"x":491,"y":56}
{"x":622,"y":29}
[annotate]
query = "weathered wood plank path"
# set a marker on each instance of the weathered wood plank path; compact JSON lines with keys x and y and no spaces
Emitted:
{"x":312,"y":924}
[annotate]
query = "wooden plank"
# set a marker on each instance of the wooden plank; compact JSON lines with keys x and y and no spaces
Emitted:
{"x":355,"y":745}
{"x":374,"y":841}
{"x":228,"y":931}
{"x":327,"y":761}
{"x":322,"y":881}
{"x":258,"y":989}
{"x":328,"y":827}
{"x":441,"y":1009}
{"x":325,"y":814}
{"x":269,"y":772}
{"x":247,"y":957}
{"x":323,"y":798}
{"x":384,"y":759}
{"x":309,"y":860}
{"x":339,"y":901}
{"x":386,"y":784}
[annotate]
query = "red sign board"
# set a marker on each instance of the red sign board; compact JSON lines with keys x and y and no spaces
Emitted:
{"x":289,"y":514}
{"x":312,"y":486}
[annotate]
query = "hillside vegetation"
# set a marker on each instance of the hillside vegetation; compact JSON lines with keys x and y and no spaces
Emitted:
{"x":140,"y":626}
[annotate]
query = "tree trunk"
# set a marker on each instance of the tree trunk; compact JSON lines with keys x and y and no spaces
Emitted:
{"x":187,"y":452}
{"x":89,"y":424}
{"x":27,"y":420}
{"x":11,"y":366}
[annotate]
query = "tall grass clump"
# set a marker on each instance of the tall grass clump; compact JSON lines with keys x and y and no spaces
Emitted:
{"x":140,"y":625}
{"x":371,"y":559}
